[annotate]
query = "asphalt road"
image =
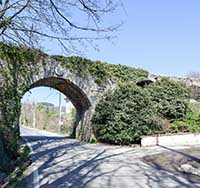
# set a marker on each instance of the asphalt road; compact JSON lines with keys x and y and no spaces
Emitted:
{"x":59,"y":162}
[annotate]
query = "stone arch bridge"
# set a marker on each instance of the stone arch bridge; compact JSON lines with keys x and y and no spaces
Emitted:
{"x":82,"y":90}
{"x":192,"y":83}
{"x":27,"y":69}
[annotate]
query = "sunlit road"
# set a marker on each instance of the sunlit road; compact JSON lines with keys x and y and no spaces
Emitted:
{"x":59,"y":162}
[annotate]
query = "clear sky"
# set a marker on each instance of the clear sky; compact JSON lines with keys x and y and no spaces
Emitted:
{"x":161,"y":36}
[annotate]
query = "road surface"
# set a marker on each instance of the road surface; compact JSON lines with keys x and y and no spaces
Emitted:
{"x":59,"y":162}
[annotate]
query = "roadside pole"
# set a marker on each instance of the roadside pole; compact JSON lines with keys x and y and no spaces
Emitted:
{"x":60,"y":114}
{"x":34,"y":118}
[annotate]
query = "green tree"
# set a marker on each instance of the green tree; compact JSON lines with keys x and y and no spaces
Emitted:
{"x":171,"y":98}
{"x":123,"y":116}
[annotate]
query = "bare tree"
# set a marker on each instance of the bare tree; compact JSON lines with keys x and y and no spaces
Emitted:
{"x":69,"y":22}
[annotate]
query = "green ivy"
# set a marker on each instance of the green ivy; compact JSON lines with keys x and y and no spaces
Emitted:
{"x":15,"y":74}
{"x":100,"y":71}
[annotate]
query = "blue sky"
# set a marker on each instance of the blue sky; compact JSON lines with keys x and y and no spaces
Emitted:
{"x":161,"y":36}
{"x":43,"y":94}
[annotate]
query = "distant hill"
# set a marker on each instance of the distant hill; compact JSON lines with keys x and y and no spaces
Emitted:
{"x":47,"y":104}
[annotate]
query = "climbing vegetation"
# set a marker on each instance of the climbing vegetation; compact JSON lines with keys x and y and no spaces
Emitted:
{"x":15,"y":74}
{"x":101,"y":72}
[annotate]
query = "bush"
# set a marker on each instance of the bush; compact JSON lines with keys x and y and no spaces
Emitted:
{"x":171,"y":98}
{"x":179,"y":126}
{"x":191,"y":123}
{"x":123,"y":116}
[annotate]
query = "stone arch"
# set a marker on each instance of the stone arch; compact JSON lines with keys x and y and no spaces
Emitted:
{"x":76,"y":77}
{"x":74,"y":93}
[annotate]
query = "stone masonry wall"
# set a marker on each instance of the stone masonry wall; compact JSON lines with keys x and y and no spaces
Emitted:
{"x":192,"y":83}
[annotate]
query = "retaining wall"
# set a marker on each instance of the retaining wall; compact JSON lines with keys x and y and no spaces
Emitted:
{"x":171,"y":140}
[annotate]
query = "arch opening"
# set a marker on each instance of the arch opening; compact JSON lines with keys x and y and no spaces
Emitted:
{"x":71,"y":91}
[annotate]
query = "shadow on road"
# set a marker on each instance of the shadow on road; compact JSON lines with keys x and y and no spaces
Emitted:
{"x":66,"y":163}
{"x":171,"y":161}
{"x":184,"y":154}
